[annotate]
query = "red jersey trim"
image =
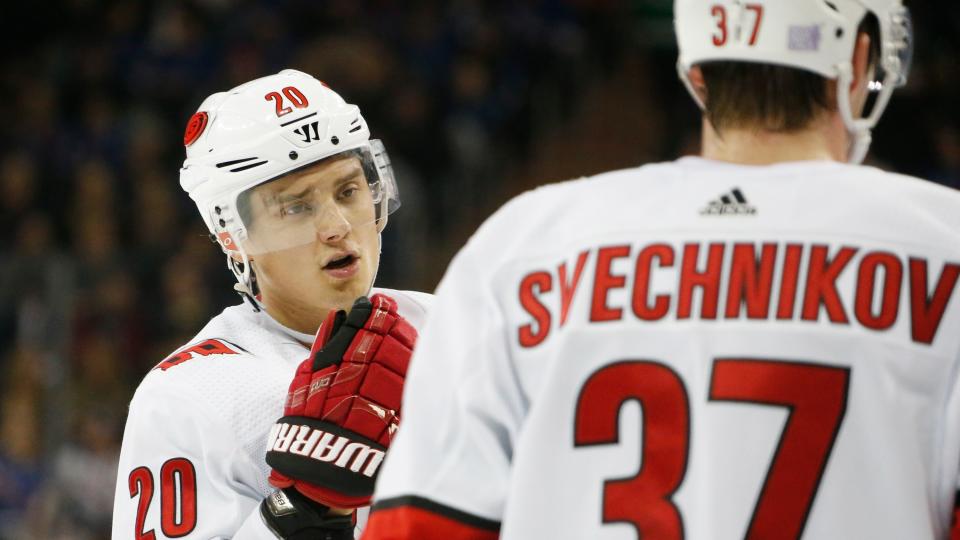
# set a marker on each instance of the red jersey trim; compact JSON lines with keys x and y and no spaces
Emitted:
{"x":204,"y":348}
{"x":422,"y":519}
{"x":955,"y":524}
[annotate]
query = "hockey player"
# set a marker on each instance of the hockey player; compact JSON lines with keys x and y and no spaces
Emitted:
{"x":296,"y":194}
{"x":757,"y":343}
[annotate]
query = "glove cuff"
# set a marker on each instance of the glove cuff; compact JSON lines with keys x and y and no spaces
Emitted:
{"x":292,"y":516}
{"x":333,"y":459}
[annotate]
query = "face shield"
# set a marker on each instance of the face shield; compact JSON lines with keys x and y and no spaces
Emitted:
{"x":896,"y":55}
{"x":347,"y":191}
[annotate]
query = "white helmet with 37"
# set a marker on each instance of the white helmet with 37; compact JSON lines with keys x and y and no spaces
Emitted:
{"x":813,"y":35}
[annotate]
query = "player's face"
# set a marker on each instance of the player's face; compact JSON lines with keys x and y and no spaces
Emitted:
{"x":332,"y":265}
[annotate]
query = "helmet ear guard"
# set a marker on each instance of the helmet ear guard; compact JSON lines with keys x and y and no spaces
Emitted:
{"x":812,"y":35}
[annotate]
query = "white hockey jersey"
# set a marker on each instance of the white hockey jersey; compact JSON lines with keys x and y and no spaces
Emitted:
{"x":192,"y":462}
{"x":690,"y":350}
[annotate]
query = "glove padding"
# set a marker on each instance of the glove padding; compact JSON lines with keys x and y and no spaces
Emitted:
{"x":343,"y":405}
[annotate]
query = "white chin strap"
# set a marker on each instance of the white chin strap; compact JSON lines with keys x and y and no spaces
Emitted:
{"x":377,"y":267}
{"x":859,"y":129}
{"x":859,"y":146}
{"x":380,"y":227}
{"x":244,"y":284}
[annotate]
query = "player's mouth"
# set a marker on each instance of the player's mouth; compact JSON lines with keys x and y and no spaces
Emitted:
{"x":342,"y":265}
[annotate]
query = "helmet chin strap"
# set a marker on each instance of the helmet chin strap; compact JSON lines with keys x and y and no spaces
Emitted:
{"x":377,"y":267}
{"x":860,"y":129}
{"x":244,"y":284}
{"x":859,"y":146}
{"x":381,"y":225}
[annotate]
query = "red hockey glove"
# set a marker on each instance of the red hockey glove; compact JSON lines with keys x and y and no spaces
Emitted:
{"x":343,"y":406}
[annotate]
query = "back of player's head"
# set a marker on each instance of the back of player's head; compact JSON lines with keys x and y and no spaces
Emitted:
{"x":765,"y":63}
{"x":782,"y":99}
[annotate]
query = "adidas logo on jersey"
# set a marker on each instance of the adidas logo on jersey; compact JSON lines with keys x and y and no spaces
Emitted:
{"x":732,"y":203}
{"x":307,"y":441}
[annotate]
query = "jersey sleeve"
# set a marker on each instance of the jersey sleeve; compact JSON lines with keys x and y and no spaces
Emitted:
{"x":447,"y":471}
{"x":179,"y":475}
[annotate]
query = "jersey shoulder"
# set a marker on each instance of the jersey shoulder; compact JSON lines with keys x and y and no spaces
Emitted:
{"x":872,"y":203}
{"x":672,"y":195}
{"x":933,"y":196}
{"x":412,"y":305}
{"x":532,"y":220}
{"x":231,"y":379}
{"x":583,"y":190}
{"x":233,"y":355}
{"x":224,"y":336}
{"x":589,"y":191}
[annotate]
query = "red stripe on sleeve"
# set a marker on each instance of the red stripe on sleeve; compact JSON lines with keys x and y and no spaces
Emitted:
{"x":955,"y":530}
{"x":408,"y":522}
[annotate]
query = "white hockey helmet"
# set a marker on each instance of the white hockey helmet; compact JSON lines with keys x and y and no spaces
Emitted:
{"x":261,"y":131}
{"x":813,"y":35}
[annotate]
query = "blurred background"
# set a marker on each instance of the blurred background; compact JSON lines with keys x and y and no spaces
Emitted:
{"x":105,"y":266}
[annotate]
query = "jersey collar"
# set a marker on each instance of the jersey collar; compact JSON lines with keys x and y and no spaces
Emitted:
{"x":271,"y":324}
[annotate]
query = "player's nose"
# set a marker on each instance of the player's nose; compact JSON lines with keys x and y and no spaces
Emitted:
{"x":330,"y":224}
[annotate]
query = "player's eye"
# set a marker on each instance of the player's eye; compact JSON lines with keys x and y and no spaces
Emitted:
{"x":348,"y":193}
{"x":294,"y":208}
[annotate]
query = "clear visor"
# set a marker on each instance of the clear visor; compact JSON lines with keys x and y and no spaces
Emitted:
{"x":894,"y":67}
{"x":347,"y":191}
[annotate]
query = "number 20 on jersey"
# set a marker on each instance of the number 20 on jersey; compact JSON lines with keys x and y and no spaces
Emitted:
{"x":178,"y":498}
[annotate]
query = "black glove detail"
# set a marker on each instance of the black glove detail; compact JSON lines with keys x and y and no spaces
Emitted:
{"x":292,"y":516}
{"x":345,"y":327}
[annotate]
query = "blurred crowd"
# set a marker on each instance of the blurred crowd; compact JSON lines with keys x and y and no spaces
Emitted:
{"x":106,"y":268}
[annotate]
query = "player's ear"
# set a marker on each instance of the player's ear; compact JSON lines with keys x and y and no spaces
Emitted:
{"x":699,"y":86}
{"x":863,"y":73}
{"x":863,"y":68}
